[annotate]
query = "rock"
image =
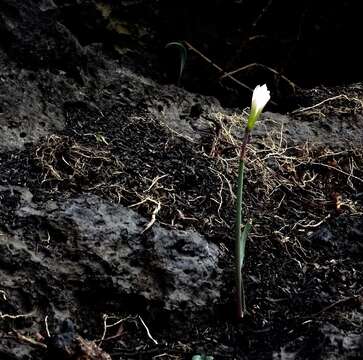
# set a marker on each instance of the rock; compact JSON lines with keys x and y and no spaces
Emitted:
{"x":350,"y":344}
{"x":32,"y":34}
{"x":61,"y":256}
{"x":177,"y":270}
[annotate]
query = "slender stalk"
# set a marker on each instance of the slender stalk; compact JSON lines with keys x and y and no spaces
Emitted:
{"x":240,"y":291}
{"x":245,"y":142}
{"x":241,"y":303}
{"x":260,"y":97}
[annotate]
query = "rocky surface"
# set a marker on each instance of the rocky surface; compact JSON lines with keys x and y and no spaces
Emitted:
{"x":116,"y":203}
{"x":95,"y":251}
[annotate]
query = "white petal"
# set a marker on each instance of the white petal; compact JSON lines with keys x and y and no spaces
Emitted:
{"x":260,"y":97}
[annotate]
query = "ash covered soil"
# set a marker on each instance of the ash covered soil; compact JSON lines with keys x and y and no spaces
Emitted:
{"x":117,"y":210}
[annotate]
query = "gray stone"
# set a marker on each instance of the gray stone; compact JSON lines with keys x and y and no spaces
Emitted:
{"x":177,"y":269}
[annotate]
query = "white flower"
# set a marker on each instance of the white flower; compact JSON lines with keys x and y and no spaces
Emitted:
{"x":260,"y":98}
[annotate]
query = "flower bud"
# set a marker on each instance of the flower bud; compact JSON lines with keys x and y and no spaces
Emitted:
{"x":260,"y":98}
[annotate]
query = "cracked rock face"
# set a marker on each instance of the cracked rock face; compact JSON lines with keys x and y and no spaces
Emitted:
{"x":99,"y":251}
{"x":179,"y":269}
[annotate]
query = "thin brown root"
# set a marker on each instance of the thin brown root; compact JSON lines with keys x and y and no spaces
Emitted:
{"x":191,"y":47}
{"x":30,"y":340}
{"x":341,"y":96}
{"x":107,"y":326}
{"x":154,"y":213}
{"x":14,"y":317}
{"x":148,"y":331}
{"x":258,"y":65}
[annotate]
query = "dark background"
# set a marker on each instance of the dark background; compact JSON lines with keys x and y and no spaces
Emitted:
{"x":309,"y":42}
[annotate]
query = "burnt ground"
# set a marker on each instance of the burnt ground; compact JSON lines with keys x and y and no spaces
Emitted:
{"x":117,"y":202}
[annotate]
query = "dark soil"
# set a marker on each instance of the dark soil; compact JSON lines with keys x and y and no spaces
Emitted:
{"x":117,"y":196}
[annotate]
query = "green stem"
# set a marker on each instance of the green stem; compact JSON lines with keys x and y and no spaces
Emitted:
{"x":241,"y":303}
{"x":240,"y":290}
{"x":243,"y":296}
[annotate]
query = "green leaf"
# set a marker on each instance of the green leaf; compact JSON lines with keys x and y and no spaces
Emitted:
{"x":183,"y":56}
{"x":243,"y":239}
